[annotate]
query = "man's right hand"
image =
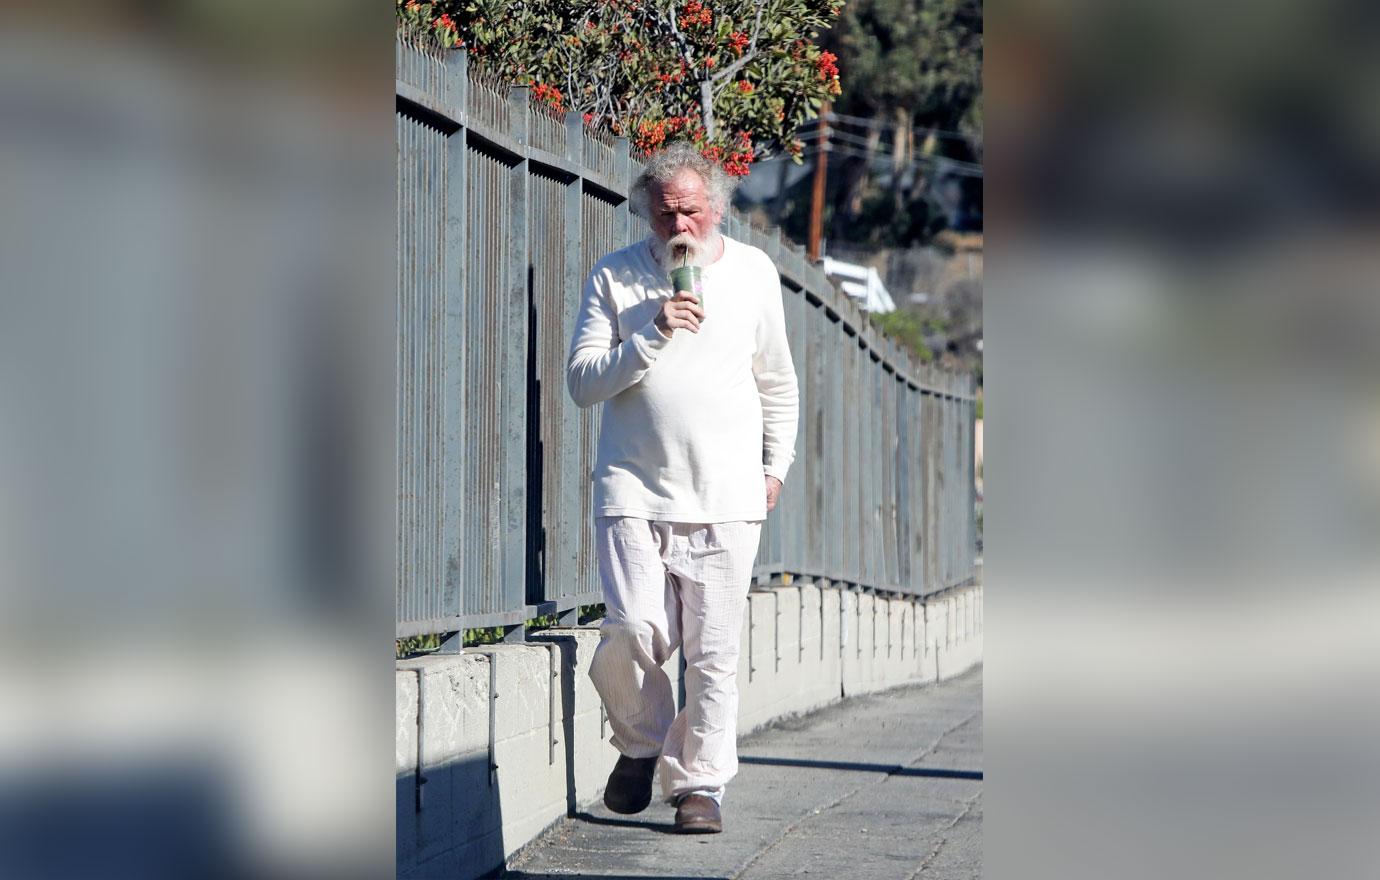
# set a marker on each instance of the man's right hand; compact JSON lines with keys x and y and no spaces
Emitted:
{"x":681,"y":310}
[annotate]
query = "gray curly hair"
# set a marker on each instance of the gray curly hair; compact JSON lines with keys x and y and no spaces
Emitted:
{"x":665,"y":164}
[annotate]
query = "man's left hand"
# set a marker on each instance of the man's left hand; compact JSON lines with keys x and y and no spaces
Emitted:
{"x":773,"y":493}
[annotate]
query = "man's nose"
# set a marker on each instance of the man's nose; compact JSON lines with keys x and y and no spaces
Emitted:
{"x":682,"y":224}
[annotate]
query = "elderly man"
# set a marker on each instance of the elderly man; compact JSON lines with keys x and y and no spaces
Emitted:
{"x":698,"y":431}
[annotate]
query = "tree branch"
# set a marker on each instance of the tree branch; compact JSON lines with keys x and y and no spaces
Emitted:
{"x":666,"y":23}
{"x":749,"y":54}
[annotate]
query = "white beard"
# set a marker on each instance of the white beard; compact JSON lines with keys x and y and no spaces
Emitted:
{"x":682,"y":250}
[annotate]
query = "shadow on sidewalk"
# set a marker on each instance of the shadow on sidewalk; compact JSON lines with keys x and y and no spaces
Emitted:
{"x":660,"y":827}
{"x":891,"y":769}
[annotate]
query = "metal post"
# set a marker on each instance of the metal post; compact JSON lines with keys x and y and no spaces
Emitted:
{"x":512,"y":427}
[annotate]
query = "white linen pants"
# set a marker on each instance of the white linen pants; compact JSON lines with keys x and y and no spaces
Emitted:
{"x":667,"y":585}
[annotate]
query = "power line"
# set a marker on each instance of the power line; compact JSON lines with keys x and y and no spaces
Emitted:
{"x":864,"y":122}
{"x":834,"y":134}
{"x":941,"y":164}
{"x":842,"y":143}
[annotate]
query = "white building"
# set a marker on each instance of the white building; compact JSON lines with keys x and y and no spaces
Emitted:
{"x":862,"y":283}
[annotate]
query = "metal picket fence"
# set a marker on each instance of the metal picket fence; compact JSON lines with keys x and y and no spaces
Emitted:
{"x":503,"y":208}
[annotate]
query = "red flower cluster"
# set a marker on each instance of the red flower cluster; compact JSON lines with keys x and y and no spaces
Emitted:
{"x":444,"y":22}
{"x":737,"y":163}
{"x":651,"y":135}
{"x":827,"y":68}
{"x":738,"y":41}
{"x":745,"y":87}
{"x":549,"y":94}
{"x":696,"y":13}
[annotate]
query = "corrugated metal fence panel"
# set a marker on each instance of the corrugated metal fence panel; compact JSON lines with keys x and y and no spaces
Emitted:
{"x":971,"y":481}
{"x":600,"y":233}
{"x":487,"y":103}
{"x":938,"y":580}
{"x":963,"y":514}
{"x":876,"y":428}
{"x":899,"y":477}
{"x":873,"y":428}
{"x":946,"y":479}
{"x":554,"y":522}
{"x":813,"y":418}
{"x":958,"y":492}
{"x":902,"y":488}
{"x":422,"y":69}
{"x":779,"y":550}
{"x":599,"y":154}
{"x":857,"y":459}
{"x":487,"y":256}
{"x":943,"y":474}
{"x":797,"y":483}
{"x":837,"y":431}
{"x":867,"y":467}
{"x":860,"y":432}
{"x":940,"y":566}
{"x":914,"y":490}
{"x":886,"y":461}
{"x":852,"y":459}
{"x":579,"y":427}
{"x":421,"y":301}
{"x":929,"y":431}
{"x":547,"y":128}
{"x":954,"y":465}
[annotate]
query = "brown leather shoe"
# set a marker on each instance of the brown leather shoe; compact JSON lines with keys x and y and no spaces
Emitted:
{"x":629,"y":788}
{"x":698,"y":814}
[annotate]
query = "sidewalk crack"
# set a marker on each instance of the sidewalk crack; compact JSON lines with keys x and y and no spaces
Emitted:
{"x":934,"y":853}
{"x":790,"y":828}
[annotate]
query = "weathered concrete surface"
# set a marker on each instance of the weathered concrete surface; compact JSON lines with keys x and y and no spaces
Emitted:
{"x":881,"y":786}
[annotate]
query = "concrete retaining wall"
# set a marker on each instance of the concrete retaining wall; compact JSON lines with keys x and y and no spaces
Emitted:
{"x":513,"y":737}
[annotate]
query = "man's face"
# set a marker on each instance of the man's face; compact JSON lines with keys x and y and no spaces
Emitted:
{"x":681,"y":209}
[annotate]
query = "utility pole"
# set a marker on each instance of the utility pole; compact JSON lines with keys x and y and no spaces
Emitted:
{"x":821,"y":170}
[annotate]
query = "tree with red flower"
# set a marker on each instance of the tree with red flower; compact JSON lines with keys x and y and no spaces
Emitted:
{"x":741,"y":68}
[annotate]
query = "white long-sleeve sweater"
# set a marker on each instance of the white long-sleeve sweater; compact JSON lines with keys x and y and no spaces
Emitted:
{"x":691,"y":424}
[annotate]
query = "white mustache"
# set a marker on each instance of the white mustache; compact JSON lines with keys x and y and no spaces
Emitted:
{"x":678,"y":249}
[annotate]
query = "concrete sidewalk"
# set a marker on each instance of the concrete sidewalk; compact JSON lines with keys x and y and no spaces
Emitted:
{"x":874,"y":788}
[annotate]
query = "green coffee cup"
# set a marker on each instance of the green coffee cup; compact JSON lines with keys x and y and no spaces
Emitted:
{"x":688,"y":278}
